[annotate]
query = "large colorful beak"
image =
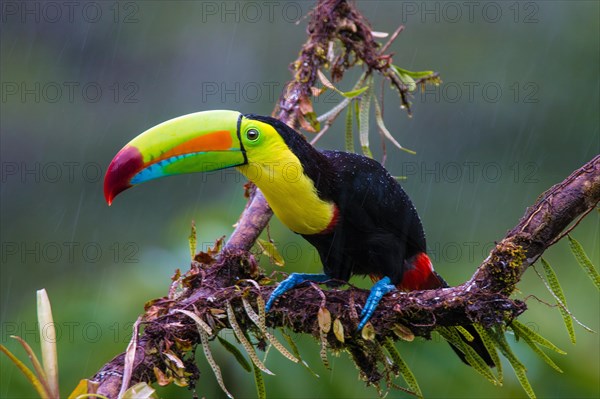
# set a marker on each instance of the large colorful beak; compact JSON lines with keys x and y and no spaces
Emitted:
{"x":199,"y":142}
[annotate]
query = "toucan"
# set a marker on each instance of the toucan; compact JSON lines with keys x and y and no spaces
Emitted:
{"x":346,"y":205}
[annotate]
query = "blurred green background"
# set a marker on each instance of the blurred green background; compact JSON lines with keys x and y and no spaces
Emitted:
{"x":518,"y":112}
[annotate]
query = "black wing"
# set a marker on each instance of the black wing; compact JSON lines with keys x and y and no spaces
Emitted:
{"x":378,"y":226}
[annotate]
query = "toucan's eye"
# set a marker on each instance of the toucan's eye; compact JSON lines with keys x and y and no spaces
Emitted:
{"x":252,"y":134}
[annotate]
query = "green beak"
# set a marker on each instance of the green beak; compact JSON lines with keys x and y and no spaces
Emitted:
{"x":199,"y":142}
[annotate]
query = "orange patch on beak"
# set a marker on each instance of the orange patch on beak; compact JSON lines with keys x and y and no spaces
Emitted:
{"x":216,"y":141}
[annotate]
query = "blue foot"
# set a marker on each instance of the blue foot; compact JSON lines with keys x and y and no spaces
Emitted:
{"x":293,"y":280}
{"x":380,"y":288}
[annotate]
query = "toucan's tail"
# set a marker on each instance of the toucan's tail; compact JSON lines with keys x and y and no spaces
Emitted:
{"x":421,"y":276}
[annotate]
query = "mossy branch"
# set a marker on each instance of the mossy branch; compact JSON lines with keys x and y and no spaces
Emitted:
{"x":483,"y":299}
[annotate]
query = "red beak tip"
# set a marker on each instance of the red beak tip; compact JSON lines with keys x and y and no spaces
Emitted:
{"x":108,"y":195}
{"x":123,"y":167}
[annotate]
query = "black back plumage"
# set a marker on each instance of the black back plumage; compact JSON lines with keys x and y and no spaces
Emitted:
{"x":377,"y":227}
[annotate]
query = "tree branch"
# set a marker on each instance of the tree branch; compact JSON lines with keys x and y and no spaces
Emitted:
{"x":483,"y":299}
{"x":252,"y":222}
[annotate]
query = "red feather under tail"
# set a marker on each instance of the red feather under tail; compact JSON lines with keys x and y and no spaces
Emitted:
{"x":419,"y":274}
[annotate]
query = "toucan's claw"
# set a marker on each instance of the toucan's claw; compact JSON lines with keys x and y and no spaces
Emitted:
{"x":380,"y":288}
{"x":293,"y":280}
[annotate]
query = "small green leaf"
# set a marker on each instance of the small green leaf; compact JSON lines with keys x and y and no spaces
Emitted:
{"x":236,"y":353}
{"x":500,"y":340}
{"x":525,"y":331}
{"x":296,"y":352}
{"x":452,"y":335}
{"x":211,"y":361}
{"x":253,"y":316}
{"x":269,"y":249}
{"x":311,"y":117}
{"x":354,"y":93}
{"x":465,"y":333}
{"x":409,"y":78}
{"x":323,"y":351}
{"x":241,"y":336}
{"x":403,"y":332}
{"x":277,"y":345}
{"x":338,"y":330}
{"x":518,"y":367}
{"x":383,"y":129}
{"x":410,"y":83}
{"x":193,"y":240}
{"x":368,"y":332}
{"x":521,"y":374}
{"x":261,"y":390}
{"x":414,"y":75}
{"x":260,"y":319}
{"x":584,"y":261}
{"x":558,"y":292}
{"x":491,"y":348}
{"x":363,"y":126}
{"x":348,"y":94}
{"x":357,"y":112}
{"x":349,"y":133}
{"x":324,"y":321}
{"x":405,"y":371}
{"x":540,"y":353}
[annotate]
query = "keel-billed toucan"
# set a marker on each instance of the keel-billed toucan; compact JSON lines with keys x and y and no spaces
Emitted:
{"x":346,"y":205}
